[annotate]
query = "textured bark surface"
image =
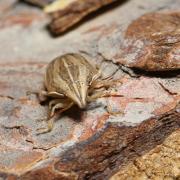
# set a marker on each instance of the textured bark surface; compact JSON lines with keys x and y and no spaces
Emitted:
{"x":40,"y":3}
{"x":63,"y":19}
{"x":160,"y":163}
{"x":91,"y":143}
{"x":64,"y":14}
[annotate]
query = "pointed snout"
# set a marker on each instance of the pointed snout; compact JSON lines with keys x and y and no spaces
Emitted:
{"x":82,"y":104}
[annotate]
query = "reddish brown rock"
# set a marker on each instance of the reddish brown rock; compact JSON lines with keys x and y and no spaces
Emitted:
{"x":23,"y":18}
{"x":117,"y":144}
{"x":6,"y":5}
{"x":91,"y":143}
{"x":153,"y":42}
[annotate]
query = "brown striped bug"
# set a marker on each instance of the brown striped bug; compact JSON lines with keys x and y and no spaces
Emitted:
{"x":70,"y":79}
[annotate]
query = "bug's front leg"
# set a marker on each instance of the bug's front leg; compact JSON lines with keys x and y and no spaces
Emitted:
{"x":103,"y":84}
{"x":101,"y":94}
{"x":62,"y":105}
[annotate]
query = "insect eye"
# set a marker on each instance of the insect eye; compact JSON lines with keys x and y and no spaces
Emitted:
{"x":77,"y":81}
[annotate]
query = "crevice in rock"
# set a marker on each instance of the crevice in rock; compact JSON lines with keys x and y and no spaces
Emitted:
{"x":8,"y":97}
{"x":124,"y":68}
{"x":41,"y":148}
{"x":154,"y":131}
{"x":166,"y":89}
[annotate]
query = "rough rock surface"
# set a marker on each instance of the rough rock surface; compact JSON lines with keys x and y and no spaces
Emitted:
{"x":157,"y":36}
{"x":89,"y":144}
{"x":150,"y":43}
{"x":160,"y":163}
{"x":5,"y":5}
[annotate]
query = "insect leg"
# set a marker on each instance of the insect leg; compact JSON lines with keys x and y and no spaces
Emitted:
{"x":101,"y":94}
{"x":55,"y":95}
{"x":111,"y":75}
{"x":105,"y":94}
{"x":42,"y":95}
{"x":66,"y":107}
{"x":50,"y":123}
{"x":53,"y":103}
{"x":60,"y":105}
{"x":111,"y":112}
{"x":103,"y":84}
{"x":63,"y":106}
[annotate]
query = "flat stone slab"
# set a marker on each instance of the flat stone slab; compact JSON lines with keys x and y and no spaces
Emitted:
{"x":84,"y":144}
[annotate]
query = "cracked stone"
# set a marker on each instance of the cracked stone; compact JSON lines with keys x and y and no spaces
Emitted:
{"x":84,"y":144}
{"x":154,"y":42}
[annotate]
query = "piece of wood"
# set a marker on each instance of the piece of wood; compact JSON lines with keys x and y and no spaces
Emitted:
{"x":40,"y":3}
{"x":66,"y":17}
{"x":66,"y":13}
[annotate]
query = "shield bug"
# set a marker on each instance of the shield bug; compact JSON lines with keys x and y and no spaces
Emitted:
{"x":70,"y":79}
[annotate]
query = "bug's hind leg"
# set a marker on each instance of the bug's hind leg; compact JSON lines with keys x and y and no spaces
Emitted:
{"x":43,"y":95}
{"x":63,"y":106}
{"x":51,"y":104}
{"x":54,"y":105}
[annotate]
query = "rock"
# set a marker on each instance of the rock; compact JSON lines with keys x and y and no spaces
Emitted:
{"x":91,"y":143}
{"x":25,"y":17}
{"x":152,"y":43}
{"x":158,"y":163}
{"x":6,"y":5}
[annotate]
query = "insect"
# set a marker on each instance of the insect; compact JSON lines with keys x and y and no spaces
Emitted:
{"x":70,"y":79}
